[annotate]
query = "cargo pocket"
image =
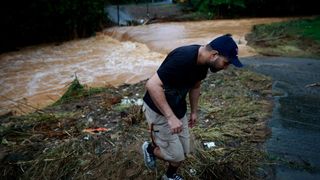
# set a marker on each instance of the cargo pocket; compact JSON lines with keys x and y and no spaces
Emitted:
{"x":163,"y":135}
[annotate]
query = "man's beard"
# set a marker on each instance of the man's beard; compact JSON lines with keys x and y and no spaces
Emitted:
{"x":214,"y":69}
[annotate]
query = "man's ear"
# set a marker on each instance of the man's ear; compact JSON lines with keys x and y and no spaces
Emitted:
{"x":214,"y":52}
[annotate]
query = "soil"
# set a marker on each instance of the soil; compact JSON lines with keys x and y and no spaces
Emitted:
{"x":99,"y":136}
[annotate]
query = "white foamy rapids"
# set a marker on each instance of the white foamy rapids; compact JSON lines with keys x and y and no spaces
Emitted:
{"x":163,"y":37}
{"x":41,"y":74}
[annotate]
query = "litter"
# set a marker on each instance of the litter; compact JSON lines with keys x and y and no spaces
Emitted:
{"x":90,"y":119}
{"x":86,"y":137}
{"x":95,"y":130}
{"x":127,"y":101}
{"x":313,"y":84}
{"x":193,"y":172}
{"x":209,"y":144}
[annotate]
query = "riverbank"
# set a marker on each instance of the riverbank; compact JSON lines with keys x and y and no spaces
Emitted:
{"x":99,"y":135}
{"x":37,"y":76}
{"x":299,"y":37}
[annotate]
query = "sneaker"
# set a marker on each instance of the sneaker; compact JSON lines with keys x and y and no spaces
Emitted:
{"x":149,"y":159}
{"x":175,"y":177}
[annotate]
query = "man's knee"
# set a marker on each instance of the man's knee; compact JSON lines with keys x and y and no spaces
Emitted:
{"x":176,"y":157}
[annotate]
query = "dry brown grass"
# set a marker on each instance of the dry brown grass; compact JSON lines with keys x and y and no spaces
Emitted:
{"x":234,"y":108}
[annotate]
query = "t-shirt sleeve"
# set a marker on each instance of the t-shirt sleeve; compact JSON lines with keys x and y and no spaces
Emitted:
{"x":173,"y":69}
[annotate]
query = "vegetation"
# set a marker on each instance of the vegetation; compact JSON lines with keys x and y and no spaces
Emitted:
{"x":218,"y":8}
{"x":297,"y":38}
{"x":37,"y":21}
{"x":42,"y":21}
{"x":76,"y":91}
{"x":252,"y":8}
{"x":52,"y":144}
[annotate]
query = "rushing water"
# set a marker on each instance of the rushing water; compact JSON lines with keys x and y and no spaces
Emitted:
{"x":37,"y":76}
{"x":163,"y":37}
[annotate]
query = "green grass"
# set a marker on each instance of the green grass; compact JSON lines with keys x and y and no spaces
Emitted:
{"x":309,"y":28}
{"x":303,"y":28}
{"x":295,"y":38}
{"x":76,"y":90}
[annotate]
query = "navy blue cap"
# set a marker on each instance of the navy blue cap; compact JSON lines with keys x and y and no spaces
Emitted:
{"x":226,"y":46}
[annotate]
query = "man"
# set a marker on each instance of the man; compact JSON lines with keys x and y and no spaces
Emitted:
{"x":165,"y":100}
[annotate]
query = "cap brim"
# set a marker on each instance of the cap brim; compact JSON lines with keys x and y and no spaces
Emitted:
{"x":235,"y":61}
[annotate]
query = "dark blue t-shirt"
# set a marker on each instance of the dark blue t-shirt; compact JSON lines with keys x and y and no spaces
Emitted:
{"x":179,"y":72}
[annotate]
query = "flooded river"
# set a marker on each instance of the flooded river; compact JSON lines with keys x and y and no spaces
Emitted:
{"x":163,"y":37}
{"x":37,"y":76}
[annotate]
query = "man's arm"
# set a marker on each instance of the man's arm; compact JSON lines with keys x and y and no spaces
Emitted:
{"x":155,"y":88}
{"x":194,"y":94}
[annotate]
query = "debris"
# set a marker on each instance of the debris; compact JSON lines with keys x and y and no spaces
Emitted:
{"x":64,"y":141}
{"x":90,"y":119}
{"x":127,"y":101}
{"x":95,"y":130}
{"x":209,"y":144}
{"x":193,"y":172}
{"x":87,"y":137}
{"x":110,"y":142}
{"x":313,"y":84}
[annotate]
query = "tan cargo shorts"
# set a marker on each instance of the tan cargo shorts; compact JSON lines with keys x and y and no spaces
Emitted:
{"x":173,"y":147}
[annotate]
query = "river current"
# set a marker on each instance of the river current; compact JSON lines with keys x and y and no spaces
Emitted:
{"x":37,"y":76}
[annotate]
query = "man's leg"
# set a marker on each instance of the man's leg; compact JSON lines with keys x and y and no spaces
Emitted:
{"x":169,"y":147}
{"x":184,"y":140}
{"x":147,"y":148}
{"x":171,"y":172}
{"x":148,"y":155}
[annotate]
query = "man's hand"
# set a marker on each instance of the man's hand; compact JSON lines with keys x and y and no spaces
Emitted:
{"x":193,"y":119}
{"x":155,"y":88}
{"x":175,"y":125}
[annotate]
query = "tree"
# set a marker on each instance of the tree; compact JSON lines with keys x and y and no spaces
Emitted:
{"x":219,"y":8}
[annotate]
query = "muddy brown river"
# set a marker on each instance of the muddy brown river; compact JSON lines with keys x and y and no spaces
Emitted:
{"x":35,"y":77}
